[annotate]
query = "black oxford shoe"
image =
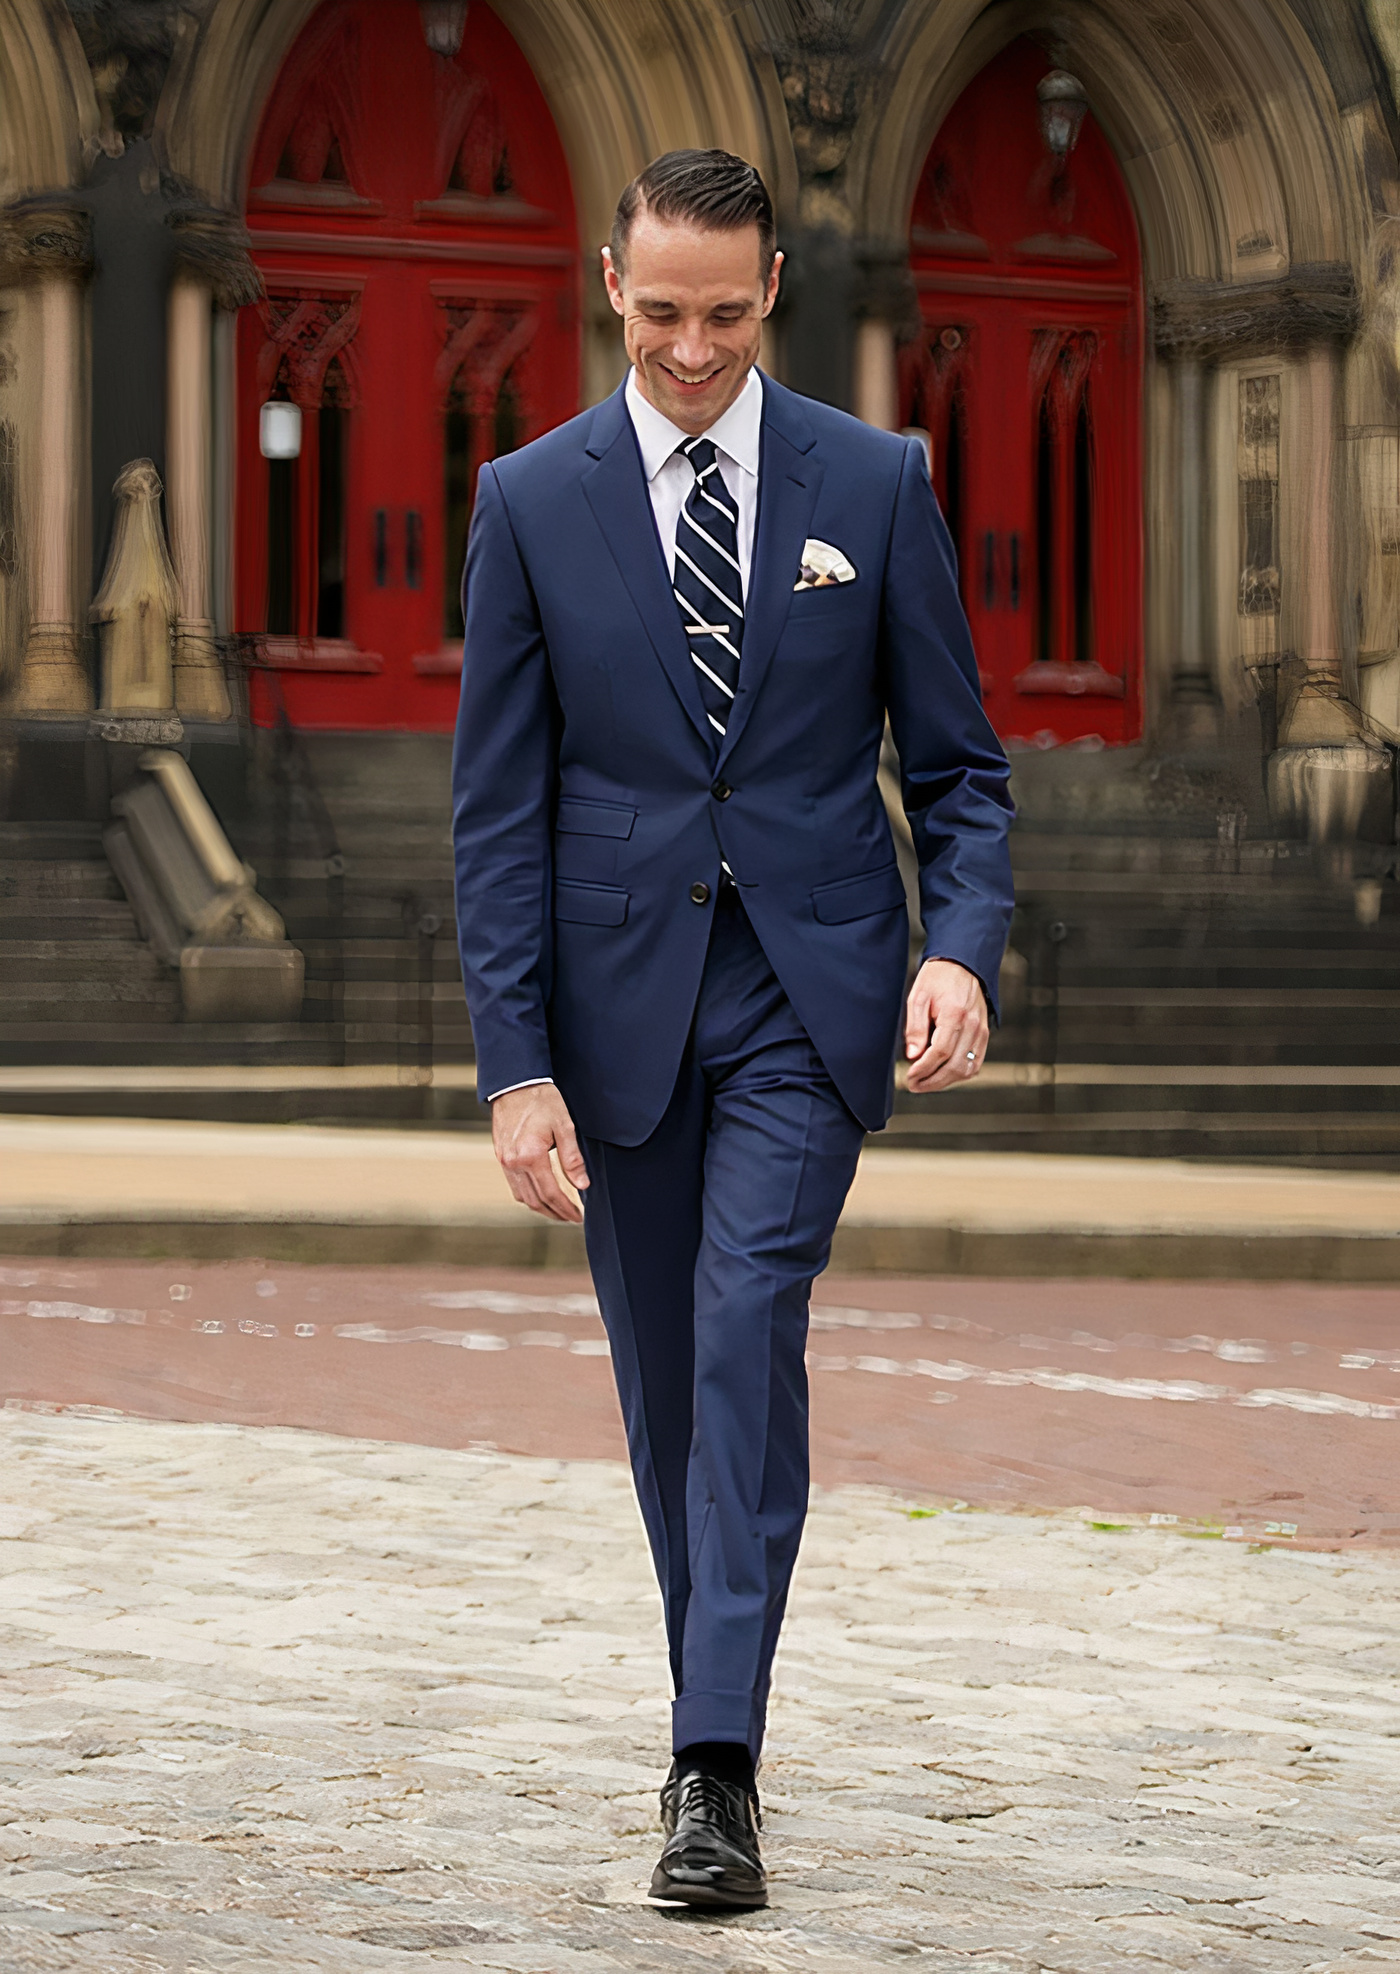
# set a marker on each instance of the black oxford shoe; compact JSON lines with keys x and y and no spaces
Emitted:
{"x":711,"y":1856}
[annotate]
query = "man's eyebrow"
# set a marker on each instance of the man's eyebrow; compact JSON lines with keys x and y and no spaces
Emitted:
{"x":669,"y":301}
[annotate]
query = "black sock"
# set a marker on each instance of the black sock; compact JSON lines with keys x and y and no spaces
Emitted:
{"x":729,"y":1760}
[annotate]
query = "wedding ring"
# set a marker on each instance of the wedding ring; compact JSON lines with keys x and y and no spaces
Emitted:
{"x":972,"y":1055}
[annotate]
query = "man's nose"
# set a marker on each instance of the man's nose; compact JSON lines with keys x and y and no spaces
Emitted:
{"x":692,"y":348}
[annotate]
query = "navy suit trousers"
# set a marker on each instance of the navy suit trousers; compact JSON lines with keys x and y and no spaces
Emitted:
{"x":704,"y":1241}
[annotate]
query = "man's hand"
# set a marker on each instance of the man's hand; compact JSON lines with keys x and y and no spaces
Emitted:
{"x":525,"y":1126}
{"x":945,"y":1027}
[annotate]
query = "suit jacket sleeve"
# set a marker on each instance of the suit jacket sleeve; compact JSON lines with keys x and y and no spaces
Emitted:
{"x":954,"y":774}
{"x":504,"y":776}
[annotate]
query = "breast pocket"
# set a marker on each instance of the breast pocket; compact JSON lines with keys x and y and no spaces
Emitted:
{"x":823,"y":620}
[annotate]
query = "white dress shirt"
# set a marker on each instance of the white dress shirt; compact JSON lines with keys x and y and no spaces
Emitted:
{"x":736,"y":434}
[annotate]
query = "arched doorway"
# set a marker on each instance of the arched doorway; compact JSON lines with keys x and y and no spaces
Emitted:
{"x":1027,"y":374}
{"x":412,"y":219}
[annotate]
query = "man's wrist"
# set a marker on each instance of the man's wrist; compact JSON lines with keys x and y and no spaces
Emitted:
{"x":530,"y":1083}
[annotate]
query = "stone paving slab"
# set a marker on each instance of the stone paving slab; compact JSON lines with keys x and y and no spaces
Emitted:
{"x":83,"y":1186}
{"x":274,"y":1700}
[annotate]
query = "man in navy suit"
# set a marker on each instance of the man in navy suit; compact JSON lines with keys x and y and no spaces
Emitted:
{"x":684,"y":938}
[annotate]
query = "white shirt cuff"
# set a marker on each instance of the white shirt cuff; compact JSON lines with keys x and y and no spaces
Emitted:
{"x":530,"y":1083}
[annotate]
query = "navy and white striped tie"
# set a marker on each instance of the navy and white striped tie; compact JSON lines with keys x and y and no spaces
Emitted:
{"x":708,"y":584}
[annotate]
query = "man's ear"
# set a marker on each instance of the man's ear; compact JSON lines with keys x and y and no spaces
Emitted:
{"x":772,"y":295}
{"x":612,"y":282}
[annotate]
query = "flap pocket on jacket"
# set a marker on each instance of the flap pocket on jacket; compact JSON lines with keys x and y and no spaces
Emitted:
{"x":859,"y":897}
{"x":578,"y":817}
{"x":590,"y":904}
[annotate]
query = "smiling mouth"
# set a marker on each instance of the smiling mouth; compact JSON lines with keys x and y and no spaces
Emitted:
{"x":692,"y":383}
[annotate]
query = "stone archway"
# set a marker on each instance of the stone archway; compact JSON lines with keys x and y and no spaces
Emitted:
{"x":1222,"y":118}
{"x":623,"y":80}
{"x":1247,"y":184}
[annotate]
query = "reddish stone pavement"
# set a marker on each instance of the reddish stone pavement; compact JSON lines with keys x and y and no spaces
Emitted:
{"x":1266,"y":1413}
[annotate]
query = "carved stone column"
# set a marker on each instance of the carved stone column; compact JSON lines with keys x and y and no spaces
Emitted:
{"x":876,"y":374}
{"x":200,"y":690}
{"x":1326,"y":774}
{"x":1313,"y":708}
{"x":1195,"y":710}
{"x":45,"y":246}
{"x":54,"y":680}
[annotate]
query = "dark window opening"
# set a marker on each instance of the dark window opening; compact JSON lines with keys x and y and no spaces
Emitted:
{"x":330,"y":522}
{"x":281,"y":509}
{"x":9,"y":534}
{"x":1044,"y":532}
{"x":508,"y":420}
{"x":507,"y":432}
{"x":457,"y":455}
{"x":954,"y":480}
{"x":1083,"y":537}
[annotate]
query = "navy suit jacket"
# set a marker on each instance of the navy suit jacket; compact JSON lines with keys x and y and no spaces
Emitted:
{"x":591,"y":803}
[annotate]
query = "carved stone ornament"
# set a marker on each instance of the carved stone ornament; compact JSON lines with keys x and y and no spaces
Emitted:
{"x":212,"y":247}
{"x":1218,"y":321}
{"x":825,"y":72}
{"x":43,"y":236}
{"x":136,"y":606}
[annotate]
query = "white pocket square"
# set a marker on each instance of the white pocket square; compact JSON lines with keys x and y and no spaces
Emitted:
{"x":822,"y":566}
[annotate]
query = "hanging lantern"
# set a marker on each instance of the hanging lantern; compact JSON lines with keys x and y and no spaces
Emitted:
{"x":444,"y":22}
{"x":1063,"y":106}
{"x":279,"y":430}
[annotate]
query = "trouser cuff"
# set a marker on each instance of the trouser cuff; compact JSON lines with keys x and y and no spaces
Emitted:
{"x":715,"y":1717}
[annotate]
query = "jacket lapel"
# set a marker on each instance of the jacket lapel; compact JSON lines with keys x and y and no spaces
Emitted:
{"x":617,"y":493}
{"x":789,"y":477}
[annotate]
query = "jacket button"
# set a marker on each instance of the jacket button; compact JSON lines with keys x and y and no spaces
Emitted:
{"x":721,"y":791}
{"x":699,"y":894}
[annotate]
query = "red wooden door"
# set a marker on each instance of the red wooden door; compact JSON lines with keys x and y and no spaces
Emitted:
{"x":1027,"y":375}
{"x":413,"y":223}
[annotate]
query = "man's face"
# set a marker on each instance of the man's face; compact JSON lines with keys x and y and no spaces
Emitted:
{"x":692,"y":301}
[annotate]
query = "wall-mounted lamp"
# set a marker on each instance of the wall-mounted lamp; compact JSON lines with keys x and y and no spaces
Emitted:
{"x":279,"y":430}
{"x":1063,"y":106}
{"x":444,"y":22}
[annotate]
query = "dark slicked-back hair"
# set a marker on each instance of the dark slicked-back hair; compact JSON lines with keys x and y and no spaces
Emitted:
{"x":710,"y":189}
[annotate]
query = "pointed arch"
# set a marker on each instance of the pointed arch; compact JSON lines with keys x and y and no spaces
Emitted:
{"x":48,"y":111}
{"x":1221,"y":115}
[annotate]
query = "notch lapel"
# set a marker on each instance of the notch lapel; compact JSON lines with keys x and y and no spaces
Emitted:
{"x":789,"y":477}
{"x":617,"y":492}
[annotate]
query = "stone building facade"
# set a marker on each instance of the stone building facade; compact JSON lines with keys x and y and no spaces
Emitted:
{"x":1132,"y":265}
{"x":1256,"y":143}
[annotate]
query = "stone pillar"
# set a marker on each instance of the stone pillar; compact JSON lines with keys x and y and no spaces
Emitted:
{"x":1194,"y":711}
{"x":54,"y":680}
{"x":876,"y":374}
{"x":1328,"y":774}
{"x":200,"y":689}
{"x":1315,"y":711}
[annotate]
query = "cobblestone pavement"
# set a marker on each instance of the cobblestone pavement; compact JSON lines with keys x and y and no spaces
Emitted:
{"x":275,"y":1701}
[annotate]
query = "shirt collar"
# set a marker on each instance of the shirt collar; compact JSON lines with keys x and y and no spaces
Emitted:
{"x":736,"y":433}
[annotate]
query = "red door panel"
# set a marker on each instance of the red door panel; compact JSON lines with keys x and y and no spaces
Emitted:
{"x":413,"y":224}
{"x":1027,"y":374}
